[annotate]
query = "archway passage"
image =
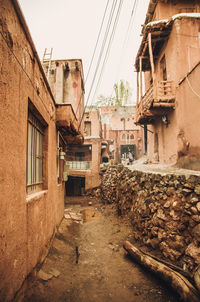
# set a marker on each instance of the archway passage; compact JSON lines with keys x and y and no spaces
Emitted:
{"x":75,"y":186}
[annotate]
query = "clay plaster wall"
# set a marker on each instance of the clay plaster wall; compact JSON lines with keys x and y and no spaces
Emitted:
{"x":92,"y":177}
{"x":66,"y":82}
{"x":188,"y":111}
{"x":166,"y":10}
{"x":181,"y":52}
{"x":27,"y":223}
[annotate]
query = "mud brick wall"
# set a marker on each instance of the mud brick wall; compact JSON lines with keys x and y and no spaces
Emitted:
{"x":164,"y":210}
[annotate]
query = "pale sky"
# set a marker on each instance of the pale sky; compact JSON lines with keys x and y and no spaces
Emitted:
{"x":71,"y":28}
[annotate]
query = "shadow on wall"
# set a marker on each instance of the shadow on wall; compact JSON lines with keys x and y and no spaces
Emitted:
{"x":189,"y":162}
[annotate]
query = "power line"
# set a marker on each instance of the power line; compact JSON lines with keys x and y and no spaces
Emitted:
{"x":109,"y":46}
{"x":101,"y":53}
{"x":99,"y":34}
{"x":126,"y":39}
{"x":97,"y":40}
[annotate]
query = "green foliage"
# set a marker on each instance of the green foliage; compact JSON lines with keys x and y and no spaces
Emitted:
{"x":122,"y":95}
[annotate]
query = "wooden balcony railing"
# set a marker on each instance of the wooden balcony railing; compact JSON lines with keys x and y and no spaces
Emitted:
{"x":159,"y":95}
{"x":79,"y":165}
{"x":165,"y":91}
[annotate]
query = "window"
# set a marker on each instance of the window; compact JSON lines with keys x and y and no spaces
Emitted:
{"x":163,"y":68}
{"x":60,"y":162}
{"x":35,"y":134}
{"x":87,"y":128}
{"x":132,"y":137}
{"x":123,"y":137}
{"x":79,"y":156}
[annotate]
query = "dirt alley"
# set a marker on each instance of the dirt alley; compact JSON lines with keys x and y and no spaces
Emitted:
{"x":87,"y":262}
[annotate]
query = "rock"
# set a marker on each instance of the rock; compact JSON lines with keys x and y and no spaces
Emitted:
{"x":154,"y":243}
{"x":196,"y":232}
{"x":197,"y":190}
{"x":167,"y":204}
{"x":54,"y":272}
{"x":75,"y":216}
{"x":44,"y":276}
{"x":198,"y":206}
{"x":196,"y":218}
{"x":194,"y":210}
{"x":168,"y":252}
{"x":161,"y":215}
{"x":194,"y":252}
{"x":174,"y":215}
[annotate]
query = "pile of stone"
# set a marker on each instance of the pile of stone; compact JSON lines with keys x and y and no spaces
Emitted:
{"x":109,"y":183}
{"x":164,"y":210}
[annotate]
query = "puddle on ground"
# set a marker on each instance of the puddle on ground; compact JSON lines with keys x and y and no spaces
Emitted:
{"x":90,"y":215}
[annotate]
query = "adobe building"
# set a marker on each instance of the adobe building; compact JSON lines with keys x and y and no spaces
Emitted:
{"x":34,"y":131}
{"x":84,"y":160}
{"x":169,"y":57}
{"x":121,"y":133}
{"x":66,"y":81}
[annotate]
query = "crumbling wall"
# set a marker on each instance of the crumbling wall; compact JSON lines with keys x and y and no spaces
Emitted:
{"x":164,"y":210}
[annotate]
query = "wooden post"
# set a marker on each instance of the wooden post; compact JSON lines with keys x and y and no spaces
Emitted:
{"x":151,"y":55}
{"x":152,"y":63}
{"x":141,"y":94}
{"x":137,"y":100}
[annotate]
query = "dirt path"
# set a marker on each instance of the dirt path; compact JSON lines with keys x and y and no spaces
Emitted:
{"x":102,"y":272}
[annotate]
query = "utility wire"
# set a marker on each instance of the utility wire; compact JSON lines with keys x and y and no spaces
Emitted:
{"x":99,"y":34}
{"x":97,"y":41}
{"x":132,"y":18}
{"x":101,"y":53}
{"x":108,"y":49}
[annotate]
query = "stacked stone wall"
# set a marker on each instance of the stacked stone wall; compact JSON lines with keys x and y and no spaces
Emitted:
{"x":164,"y":210}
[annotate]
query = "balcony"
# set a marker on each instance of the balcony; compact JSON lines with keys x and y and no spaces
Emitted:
{"x":68,"y":125}
{"x":158,"y":99}
{"x":79,"y":165}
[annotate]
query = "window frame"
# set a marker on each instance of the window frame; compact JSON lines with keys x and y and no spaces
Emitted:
{"x":35,"y":154}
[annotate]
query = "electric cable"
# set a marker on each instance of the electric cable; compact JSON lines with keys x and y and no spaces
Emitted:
{"x":97,"y":41}
{"x":101,"y":53}
{"x":108,"y":49}
{"x":126,"y":39}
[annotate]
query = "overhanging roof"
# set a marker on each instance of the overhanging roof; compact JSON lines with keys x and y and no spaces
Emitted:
{"x":160,"y":31}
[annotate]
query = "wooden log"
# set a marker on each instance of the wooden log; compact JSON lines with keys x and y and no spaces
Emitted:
{"x":162,"y":104}
{"x":197,"y":277}
{"x":179,"y":283}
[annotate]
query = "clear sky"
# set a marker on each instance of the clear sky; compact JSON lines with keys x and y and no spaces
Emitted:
{"x":71,"y":28}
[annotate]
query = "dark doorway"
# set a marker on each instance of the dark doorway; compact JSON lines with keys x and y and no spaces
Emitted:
{"x":75,"y":186}
{"x":125,"y":149}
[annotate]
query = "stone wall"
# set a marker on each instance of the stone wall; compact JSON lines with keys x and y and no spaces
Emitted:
{"x":164,"y":210}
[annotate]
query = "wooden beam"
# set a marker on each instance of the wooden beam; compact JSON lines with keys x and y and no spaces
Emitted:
{"x":141,"y":93}
{"x":151,"y":56}
{"x":177,"y":281}
{"x":137,"y":101}
{"x":162,"y":104}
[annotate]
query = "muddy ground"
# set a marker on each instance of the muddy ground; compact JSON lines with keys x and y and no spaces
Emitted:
{"x":87,"y":262}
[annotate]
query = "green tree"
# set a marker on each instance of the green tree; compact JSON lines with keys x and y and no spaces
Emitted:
{"x":122,"y":95}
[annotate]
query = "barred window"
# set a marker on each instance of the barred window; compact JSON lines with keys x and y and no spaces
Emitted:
{"x":34,"y":154}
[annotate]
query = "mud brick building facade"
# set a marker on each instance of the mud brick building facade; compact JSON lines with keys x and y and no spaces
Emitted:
{"x":169,"y":57}
{"x":35,"y":130}
{"x":84,"y":161}
{"x":119,"y":129}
